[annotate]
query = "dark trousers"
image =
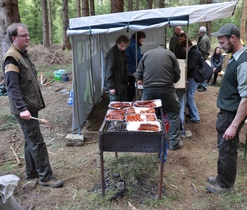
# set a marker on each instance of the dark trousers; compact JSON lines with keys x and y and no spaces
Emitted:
{"x":228,"y":155}
{"x":121,"y":94}
{"x":36,"y":155}
{"x":171,"y":105}
{"x":217,"y":70}
{"x":131,"y":88}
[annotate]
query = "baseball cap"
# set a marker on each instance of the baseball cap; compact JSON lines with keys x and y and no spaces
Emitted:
{"x":227,"y":30}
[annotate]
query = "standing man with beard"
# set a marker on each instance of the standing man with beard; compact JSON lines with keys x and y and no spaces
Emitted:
{"x":232,"y":102}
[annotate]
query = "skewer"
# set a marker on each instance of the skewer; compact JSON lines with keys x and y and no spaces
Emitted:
{"x":39,"y":119}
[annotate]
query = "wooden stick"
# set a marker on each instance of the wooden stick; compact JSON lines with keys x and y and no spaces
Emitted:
{"x":41,"y":78}
{"x":18,"y":161}
{"x":49,"y":82}
{"x":132,"y":207}
{"x":39,"y":119}
{"x":194,"y":187}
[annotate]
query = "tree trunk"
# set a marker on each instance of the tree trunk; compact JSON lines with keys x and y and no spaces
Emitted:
{"x":130,"y":5}
{"x":78,"y":8}
{"x":207,"y":24}
{"x":45,"y":19}
{"x":243,"y":31}
{"x":150,"y":4}
{"x":50,"y":21}
{"x":9,"y":13}
{"x":85,"y":8}
{"x":117,"y":6}
{"x":92,"y":8}
{"x":66,"y":42}
{"x":161,"y":4}
{"x":137,"y":4}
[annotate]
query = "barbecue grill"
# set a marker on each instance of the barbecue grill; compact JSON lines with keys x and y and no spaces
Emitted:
{"x":113,"y":137}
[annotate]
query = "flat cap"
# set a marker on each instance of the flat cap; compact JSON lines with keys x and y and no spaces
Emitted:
{"x":227,"y":30}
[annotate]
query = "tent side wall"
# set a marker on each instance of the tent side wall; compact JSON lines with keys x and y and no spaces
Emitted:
{"x":86,"y":68}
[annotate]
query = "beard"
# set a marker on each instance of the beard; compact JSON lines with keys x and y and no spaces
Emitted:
{"x":229,"y":48}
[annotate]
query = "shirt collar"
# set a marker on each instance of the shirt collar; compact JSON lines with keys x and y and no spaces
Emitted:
{"x":237,"y":54}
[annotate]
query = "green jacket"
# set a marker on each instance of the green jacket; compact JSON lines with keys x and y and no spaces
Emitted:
{"x":28,"y":84}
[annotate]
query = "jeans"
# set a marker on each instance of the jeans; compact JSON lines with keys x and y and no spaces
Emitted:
{"x":191,"y":89}
{"x":182,"y":99}
{"x":171,"y":105}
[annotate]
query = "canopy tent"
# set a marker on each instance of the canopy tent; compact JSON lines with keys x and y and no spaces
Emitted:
{"x":93,"y":36}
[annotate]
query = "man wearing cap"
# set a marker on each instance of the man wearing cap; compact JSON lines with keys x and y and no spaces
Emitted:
{"x":232,"y":102}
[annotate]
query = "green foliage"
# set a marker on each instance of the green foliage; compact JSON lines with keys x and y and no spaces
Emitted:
{"x":30,"y":12}
{"x":134,"y":168}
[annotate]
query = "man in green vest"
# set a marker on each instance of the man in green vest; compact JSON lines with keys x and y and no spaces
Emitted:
{"x":25,"y":101}
{"x":232,"y":102}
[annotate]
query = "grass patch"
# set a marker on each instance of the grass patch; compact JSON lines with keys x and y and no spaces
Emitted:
{"x":8,"y":167}
{"x":7,"y":122}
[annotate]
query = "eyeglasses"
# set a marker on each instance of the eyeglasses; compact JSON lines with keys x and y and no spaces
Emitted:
{"x":24,"y":35}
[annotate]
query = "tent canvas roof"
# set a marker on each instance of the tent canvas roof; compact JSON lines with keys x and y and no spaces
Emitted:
{"x":149,"y":19}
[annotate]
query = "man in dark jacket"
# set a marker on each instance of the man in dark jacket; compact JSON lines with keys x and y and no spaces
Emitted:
{"x":134,"y":55}
{"x":116,"y":73}
{"x":26,"y":100}
{"x":157,"y":71}
{"x":174,"y":41}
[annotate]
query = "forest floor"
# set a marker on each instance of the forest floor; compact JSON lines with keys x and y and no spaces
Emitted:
{"x":185,"y":171}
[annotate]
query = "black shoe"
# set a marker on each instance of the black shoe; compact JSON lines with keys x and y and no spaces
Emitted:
{"x":52,"y":182}
{"x":187,"y":116}
{"x":192,"y":121}
{"x":31,"y":176}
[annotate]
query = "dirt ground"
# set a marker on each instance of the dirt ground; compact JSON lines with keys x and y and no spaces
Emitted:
{"x":185,"y":172}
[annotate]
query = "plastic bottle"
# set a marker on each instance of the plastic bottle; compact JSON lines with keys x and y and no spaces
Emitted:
{"x":57,"y":75}
{"x":70,"y":100}
{"x":166,"y":122}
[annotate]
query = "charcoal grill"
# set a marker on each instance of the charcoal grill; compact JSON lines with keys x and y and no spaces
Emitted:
{"x":113,"y":137}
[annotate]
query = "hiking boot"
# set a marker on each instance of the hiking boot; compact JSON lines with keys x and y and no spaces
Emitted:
{"x":212,"y":180}
{"x":187,"y":134}
{"x":179,"y":145}
{"x":219,"y":190}
{"x":31,"y":176}
{"x":52,"y":182}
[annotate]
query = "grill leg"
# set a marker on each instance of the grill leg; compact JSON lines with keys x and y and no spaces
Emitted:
{"x":102,"y":172}
{"x":245,"y":148}
{"x":161,"y":166}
